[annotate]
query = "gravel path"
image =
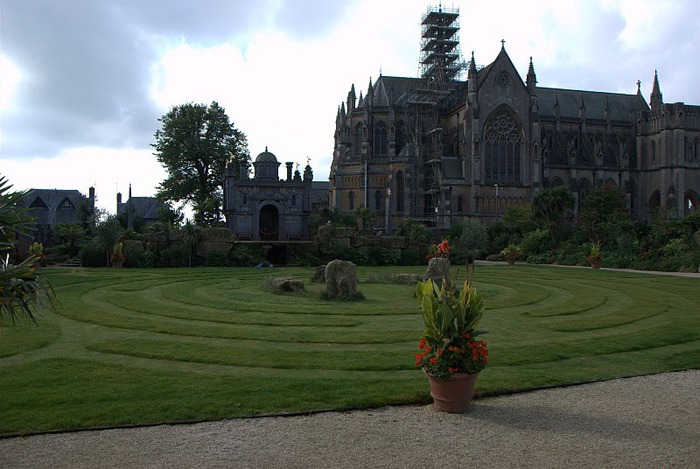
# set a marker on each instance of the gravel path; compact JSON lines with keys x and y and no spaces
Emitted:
{"x":650,"y":421}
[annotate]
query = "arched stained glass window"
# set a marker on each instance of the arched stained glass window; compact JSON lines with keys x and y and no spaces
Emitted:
{"x":399,"y":192}
{"x":380,"y":139}
{"x":502,"y":141}
{"x":357,"y":140}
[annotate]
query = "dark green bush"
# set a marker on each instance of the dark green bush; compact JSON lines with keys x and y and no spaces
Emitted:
{"x":379,"y":256}
{"x":536,"y":242}
{"x":92,"y":255}
{"x":245,"y":255}
{"x":410,"y":255}
{"x":174,"y":256}
{"x":217,"y":259}
{"x":347,"y":253}
{"x":147,"y":259}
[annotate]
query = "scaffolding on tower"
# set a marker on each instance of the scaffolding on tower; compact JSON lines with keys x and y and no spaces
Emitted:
{"x":441,"y":66}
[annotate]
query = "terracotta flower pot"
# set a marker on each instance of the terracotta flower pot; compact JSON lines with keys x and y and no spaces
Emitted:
{"x":453,"y":395}
{"x":510,"y":261}
{"x":595,"y":265}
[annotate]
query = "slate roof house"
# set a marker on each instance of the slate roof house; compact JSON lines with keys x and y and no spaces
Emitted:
{"x":139,"y":209}
{"x":51,"y":207}
{"x":442,"y":150}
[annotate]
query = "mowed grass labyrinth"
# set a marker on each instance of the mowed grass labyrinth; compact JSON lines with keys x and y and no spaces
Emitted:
{"x":125,"y":346}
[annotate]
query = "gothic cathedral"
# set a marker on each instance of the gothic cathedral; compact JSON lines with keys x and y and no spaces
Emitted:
{"x":440,"y":150}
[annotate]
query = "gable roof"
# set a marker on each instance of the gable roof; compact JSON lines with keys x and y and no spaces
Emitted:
{"x":621,"y":107}
{"x":145,"y":208}
{"x":48,"y":206}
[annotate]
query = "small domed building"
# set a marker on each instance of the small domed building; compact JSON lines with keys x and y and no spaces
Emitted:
{"x":267,"y":208}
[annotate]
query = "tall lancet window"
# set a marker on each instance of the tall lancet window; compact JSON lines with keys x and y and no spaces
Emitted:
{"x":502,"y":142}
{"x":357,"y":140}
{"x":380,"y":139}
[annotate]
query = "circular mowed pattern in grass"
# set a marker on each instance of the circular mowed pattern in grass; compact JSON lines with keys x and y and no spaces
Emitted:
{"x":198,"y":340}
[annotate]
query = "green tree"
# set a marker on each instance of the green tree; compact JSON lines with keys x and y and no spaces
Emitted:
{"x":21,"y":289}
{"x":603,"y":211}
{"x":553,"y":208}
{"x":415,"y":233}
{"x":473,"y":242}
{"x":365,"y":220}
{"x":194,"y":145}
{"x":71,"y":234}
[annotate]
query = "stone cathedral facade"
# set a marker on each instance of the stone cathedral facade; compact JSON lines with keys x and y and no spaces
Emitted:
{"x":442,"y":150}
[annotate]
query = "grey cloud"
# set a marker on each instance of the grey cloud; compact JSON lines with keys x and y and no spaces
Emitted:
{"x":87,"y":62}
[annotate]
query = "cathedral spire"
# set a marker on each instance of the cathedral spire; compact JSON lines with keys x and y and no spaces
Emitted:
{"x":657,"y":99}
{"x":531,"y":79}
{"x":351,"y":98}
{"x":472,"y":83}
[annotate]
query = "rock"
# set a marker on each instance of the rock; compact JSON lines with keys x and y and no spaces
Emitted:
{"x":214,"y":240}
{"x":284,"y":285}
{"x":408,"y":279}
{"x":319,"y":274}
{"x":438,"y":269}
{"x":341,"y":280}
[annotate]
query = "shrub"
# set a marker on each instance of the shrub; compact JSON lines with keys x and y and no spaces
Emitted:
{"x":147,"y":259}
{"x":245,"y":256}
{"x":537,"y":259}
{"x":347,"y":253}
{"x":133,"y":257}
{"x":536,"y":242}
{"x":379,"y":256}
{"x":174,"y":256}
{"x":92,"y":255}
{"x":216,"y":259}
{"x":410,"y":255}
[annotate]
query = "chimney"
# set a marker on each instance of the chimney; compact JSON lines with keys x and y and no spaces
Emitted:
{"x":119,"y":199}
{"x":289,"y":170}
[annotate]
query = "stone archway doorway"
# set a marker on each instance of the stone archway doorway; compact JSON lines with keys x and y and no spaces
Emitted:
{"x":269,"y":225}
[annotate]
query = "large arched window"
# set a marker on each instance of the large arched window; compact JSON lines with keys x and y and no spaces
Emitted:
{"x":380,"y":139}
{"x":502,"y":148}
{"x":357,"y":141}
{"x":377,"y":201}
{"x":399,"y":192}
{"x":351,"y":201}
{"x":654,"y":204}
{"x":400,"y":137}
{"x":691,"y":203}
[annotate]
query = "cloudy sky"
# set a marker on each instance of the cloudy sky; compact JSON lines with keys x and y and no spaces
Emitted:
{"x":83,"y":82}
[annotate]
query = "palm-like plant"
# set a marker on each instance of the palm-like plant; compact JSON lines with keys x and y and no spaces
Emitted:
{"x":21,"y":289}
{"x":190,"y":238}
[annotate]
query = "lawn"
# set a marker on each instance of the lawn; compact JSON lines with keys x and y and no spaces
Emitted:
{"x":125,"y":347}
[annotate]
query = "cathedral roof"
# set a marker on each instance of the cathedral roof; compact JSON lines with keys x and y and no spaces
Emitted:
{"x":621,"y":107}
{"x":266,"y":157}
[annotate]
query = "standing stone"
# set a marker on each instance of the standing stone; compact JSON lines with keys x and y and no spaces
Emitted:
{"x":341,"y":280}
{"x":319,"y":274}
{"x":438,"y":269}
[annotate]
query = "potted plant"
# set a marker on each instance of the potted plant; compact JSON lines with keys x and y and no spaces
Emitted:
{"x":511,"y":253}
{"x":117,"y":256}
{"x":595,"y":257}
{"x":450,"y":353}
